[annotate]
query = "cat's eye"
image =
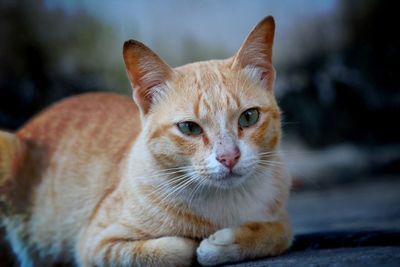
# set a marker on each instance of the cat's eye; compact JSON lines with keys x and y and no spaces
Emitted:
{"x":249,"y":118}
{"x":189,"y":128}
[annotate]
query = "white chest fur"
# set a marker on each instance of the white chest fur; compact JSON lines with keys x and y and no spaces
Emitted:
{"x":248,"y":202}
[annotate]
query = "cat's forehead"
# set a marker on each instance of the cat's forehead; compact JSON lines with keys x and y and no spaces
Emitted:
{"x":213,"y":86}
{"x":202,"y":76}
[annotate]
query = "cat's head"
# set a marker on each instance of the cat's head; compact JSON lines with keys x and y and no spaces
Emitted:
{"x":217,"y":122}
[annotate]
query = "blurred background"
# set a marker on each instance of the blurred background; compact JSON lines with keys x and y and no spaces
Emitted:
{"x":337,"y":62}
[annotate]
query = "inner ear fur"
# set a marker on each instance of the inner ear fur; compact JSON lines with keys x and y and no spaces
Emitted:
{"x":147,"y":73}
{"x":255,"y":54}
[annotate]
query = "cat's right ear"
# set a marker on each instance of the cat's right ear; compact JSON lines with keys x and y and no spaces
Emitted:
{"x":147,"y":73}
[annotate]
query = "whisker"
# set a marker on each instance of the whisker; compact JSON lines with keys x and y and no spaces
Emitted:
{"x":176,"y":190}
{"x":198,"y":189}
{"x":271,"y":162}
{"x":171,"y":182}
{"x":169,"y":171}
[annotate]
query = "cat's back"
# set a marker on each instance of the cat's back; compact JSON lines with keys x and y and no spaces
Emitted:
{"x":100,"y":116}
{"x":80,"y":139}
{"x":74,"y":153}
{"x":92,"y":128}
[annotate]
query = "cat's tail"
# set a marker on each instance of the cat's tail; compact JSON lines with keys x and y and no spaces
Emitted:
{"x":11,"y":150}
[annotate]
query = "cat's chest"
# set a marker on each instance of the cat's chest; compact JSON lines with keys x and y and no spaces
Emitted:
{"x":239,"y":206}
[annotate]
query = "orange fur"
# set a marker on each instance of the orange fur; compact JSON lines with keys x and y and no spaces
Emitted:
{"x":260,"y":237}
{"x":100,"y":181}
{"x":11,"y":156}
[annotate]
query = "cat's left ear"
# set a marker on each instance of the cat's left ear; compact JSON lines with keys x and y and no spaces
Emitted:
{"x":255,"y":54}
{"x":147,"y":73}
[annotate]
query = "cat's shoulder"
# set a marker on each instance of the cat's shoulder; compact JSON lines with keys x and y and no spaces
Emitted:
{"x":88,"y":112}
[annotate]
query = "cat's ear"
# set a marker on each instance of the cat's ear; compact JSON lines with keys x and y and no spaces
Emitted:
{"x":147,"y":73}
{"x":255,"y":54}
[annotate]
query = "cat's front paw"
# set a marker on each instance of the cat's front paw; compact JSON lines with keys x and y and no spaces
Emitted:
{"x":218,"y":248}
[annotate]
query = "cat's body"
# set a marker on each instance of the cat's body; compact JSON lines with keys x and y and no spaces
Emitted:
{"x":63,"y":179}
{"x":93,"y":180}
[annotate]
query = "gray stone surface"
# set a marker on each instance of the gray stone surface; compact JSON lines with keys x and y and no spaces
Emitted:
{"x":350,"y":225}
{"x":366,"y":256}
{"x":362,"y":206}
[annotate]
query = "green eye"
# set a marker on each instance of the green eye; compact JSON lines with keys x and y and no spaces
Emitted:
{"x":249,"y":118}
{"x":189,"y":128}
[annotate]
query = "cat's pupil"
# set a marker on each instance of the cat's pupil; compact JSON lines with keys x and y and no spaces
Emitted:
{"x":247,"y":115}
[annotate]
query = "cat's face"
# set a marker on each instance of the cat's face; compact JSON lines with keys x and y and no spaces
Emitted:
{"x":216,"y":122}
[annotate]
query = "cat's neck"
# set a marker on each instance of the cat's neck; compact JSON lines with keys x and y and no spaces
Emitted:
{"x":139,"y":162}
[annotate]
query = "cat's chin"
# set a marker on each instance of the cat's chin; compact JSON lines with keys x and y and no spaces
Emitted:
{"x":227,"y":181}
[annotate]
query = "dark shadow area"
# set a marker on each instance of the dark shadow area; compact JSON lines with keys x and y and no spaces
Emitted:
{"x":343,"y":239}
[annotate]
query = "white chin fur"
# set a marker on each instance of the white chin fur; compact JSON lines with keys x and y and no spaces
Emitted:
{"x":229,"y":183}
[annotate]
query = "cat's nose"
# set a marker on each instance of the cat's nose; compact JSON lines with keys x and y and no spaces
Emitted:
{"x":229,"y":158}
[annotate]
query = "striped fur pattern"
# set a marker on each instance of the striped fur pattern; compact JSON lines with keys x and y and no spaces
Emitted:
{"x":104,"y":183}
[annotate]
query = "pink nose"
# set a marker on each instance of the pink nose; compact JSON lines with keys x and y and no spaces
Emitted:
{"x":229,"y":159}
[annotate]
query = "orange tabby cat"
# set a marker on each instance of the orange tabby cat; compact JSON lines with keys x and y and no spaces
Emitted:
{"x":192,"y":172}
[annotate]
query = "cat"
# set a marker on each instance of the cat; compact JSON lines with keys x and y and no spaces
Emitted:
{"x":192,"y":171}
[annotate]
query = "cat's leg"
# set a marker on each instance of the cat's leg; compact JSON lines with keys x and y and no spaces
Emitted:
{"x":113,"y":250}
{"x":248,"y":241}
